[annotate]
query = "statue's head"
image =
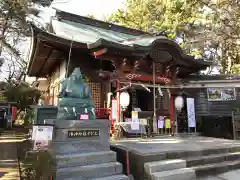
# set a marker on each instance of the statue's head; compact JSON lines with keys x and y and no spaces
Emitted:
{"x":76,"y":75}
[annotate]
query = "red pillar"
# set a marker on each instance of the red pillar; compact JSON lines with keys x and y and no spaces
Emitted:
{"x":172,"y":114}
{"x":46,"y":98}
{"x":14,"y":113}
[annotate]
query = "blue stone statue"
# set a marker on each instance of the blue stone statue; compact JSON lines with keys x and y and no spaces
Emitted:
{"x":75,"y":98}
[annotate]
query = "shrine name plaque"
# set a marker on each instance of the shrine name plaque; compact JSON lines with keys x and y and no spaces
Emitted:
{"x":84,"y":133}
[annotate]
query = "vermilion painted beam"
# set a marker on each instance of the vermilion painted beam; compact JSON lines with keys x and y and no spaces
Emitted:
{"x":143,"y":77}
{"x":99,"y":52}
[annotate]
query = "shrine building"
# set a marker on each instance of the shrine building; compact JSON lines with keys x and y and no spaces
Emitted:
{"x":110,"y":57}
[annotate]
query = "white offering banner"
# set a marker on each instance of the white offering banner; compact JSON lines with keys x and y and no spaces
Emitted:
{"x":161,"y":122}
{"x":114,"y":109}
{"x":135,"y":125}
{"x":191,"y":112}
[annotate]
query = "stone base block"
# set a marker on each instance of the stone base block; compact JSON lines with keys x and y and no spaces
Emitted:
{"x":177,"y":174}
{"x":82,"y":150}
{"x":76,"y":136}
{"x":116,"y":177}
{"x":89,"y":172}
{"x":158,"y":166}
{"x":83,"y":159}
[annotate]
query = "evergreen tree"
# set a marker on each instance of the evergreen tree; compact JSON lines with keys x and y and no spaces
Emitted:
{"x":207,"y":28}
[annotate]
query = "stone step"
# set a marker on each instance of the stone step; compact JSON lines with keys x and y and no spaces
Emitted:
{"x":199,"y":153}
{"x":176,"y":174}
{"x":196,"y":171}
{"x":82,"y":159}
{"x":74,"y":147}
{"x":158,"y":166}
{"x":165,"y":165}
{"x":9,"y":174}
{"x":216,"y":168}
{"x":215,"y":158}
{"x":116,"y":177}
{"x":89,"y":171}
{"x":8,"y":164}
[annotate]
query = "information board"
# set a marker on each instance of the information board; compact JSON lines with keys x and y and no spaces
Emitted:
{"x":41,"y":135}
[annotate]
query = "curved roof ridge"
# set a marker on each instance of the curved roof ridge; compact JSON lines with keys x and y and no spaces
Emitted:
{"x":97,"y":23}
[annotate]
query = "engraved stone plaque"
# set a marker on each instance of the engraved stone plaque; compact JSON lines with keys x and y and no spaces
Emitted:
{"x":84,"y":133}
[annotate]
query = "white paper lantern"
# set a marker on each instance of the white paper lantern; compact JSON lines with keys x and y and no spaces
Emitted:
{"x":179,"y":103}
{"x":124,"y":99}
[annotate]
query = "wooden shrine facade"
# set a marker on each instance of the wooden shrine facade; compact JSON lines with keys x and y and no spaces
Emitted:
{"x":107,"y":54}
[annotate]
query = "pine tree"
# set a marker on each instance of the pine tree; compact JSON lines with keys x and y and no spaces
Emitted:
{"x":209,"y":29}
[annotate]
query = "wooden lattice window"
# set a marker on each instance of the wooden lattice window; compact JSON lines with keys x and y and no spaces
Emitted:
{"x":96,"y":93}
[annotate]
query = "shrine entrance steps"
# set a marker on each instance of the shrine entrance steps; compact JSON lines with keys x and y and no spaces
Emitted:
{"x":89,"y":166}
{"x":194,"y":165}
{"x":186,"y":158}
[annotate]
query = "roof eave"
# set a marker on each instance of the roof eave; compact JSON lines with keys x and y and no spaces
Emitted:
{"x":93,"y":22}
{"x":33,"y":51}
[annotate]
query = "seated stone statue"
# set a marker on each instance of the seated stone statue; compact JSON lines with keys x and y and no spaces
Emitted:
{"x":75,"y":98}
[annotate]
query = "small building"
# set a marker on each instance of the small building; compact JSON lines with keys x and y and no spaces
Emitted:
{"x":216,"y":101}
{"x":110,"y":57}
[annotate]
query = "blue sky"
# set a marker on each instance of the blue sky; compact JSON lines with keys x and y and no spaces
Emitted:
{"x":99,"y":8}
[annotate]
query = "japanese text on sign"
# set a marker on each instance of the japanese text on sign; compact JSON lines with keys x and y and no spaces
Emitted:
{"x":83,"y":133}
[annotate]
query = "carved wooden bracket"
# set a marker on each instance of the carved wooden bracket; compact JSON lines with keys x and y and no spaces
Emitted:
{"x":136,"y":66}
{"x":124,"y":63}
{"x":177,"y":70}
{"x":167,"y":71}
{"x":159,"y":68}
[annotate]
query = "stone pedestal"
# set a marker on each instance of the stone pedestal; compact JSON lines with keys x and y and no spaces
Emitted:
{"x":82,"y":150}
{"x":77,"y":136}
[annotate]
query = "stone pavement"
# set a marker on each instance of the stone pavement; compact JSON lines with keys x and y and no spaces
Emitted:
{"x":9,"y":169}
{"x":171,"y":144}
{"x":231,"y":175}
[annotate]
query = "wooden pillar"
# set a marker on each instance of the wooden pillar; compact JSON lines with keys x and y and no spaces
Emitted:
{"x":118,"y":102}
{"x":172,"y":113}
{"x":173,"y":74}
{"x":134,"y":99}
{"x":46,"y":98}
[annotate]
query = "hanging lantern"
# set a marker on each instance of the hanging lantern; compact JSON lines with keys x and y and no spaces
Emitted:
{"x":124,"y":99}
{"x":179,"y":103}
